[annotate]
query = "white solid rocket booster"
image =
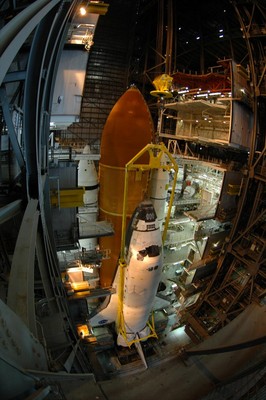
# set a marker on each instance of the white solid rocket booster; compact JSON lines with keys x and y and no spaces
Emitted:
{"x":158,"y":191}
{"x":87,"y":178}
{"x":87,"y":215}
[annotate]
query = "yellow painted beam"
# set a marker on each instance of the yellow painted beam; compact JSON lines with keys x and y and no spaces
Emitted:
{"x":67,"y":198}
{"x":97,"y":8}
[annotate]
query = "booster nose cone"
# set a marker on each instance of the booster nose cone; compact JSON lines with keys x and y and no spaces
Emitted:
{"x":87,"y":149}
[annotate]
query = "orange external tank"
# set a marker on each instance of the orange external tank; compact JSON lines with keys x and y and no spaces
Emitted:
{"x":128,"y":128}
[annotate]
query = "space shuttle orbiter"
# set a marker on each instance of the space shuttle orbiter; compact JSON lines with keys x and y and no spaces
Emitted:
{"x":137,"y":281}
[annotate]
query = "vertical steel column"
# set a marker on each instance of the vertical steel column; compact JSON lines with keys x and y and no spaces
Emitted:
{"x":20,"y":296}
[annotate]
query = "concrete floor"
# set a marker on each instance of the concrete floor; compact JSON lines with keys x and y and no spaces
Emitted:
{"x":174,"y":376}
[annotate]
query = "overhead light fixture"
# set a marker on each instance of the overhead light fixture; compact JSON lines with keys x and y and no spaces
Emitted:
{"x":93,"y":7}
{"x":82,"y":11}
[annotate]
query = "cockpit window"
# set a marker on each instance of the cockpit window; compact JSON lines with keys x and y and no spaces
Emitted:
{"x":143,"y":253}
{"x":151,"y":251}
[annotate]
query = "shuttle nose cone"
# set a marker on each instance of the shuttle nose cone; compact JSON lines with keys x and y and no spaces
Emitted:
{"x":145,"y":216}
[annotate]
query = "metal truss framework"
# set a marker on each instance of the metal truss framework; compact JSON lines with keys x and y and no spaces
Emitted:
{"x":240,"y":278}
{"x":34,"y":264}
